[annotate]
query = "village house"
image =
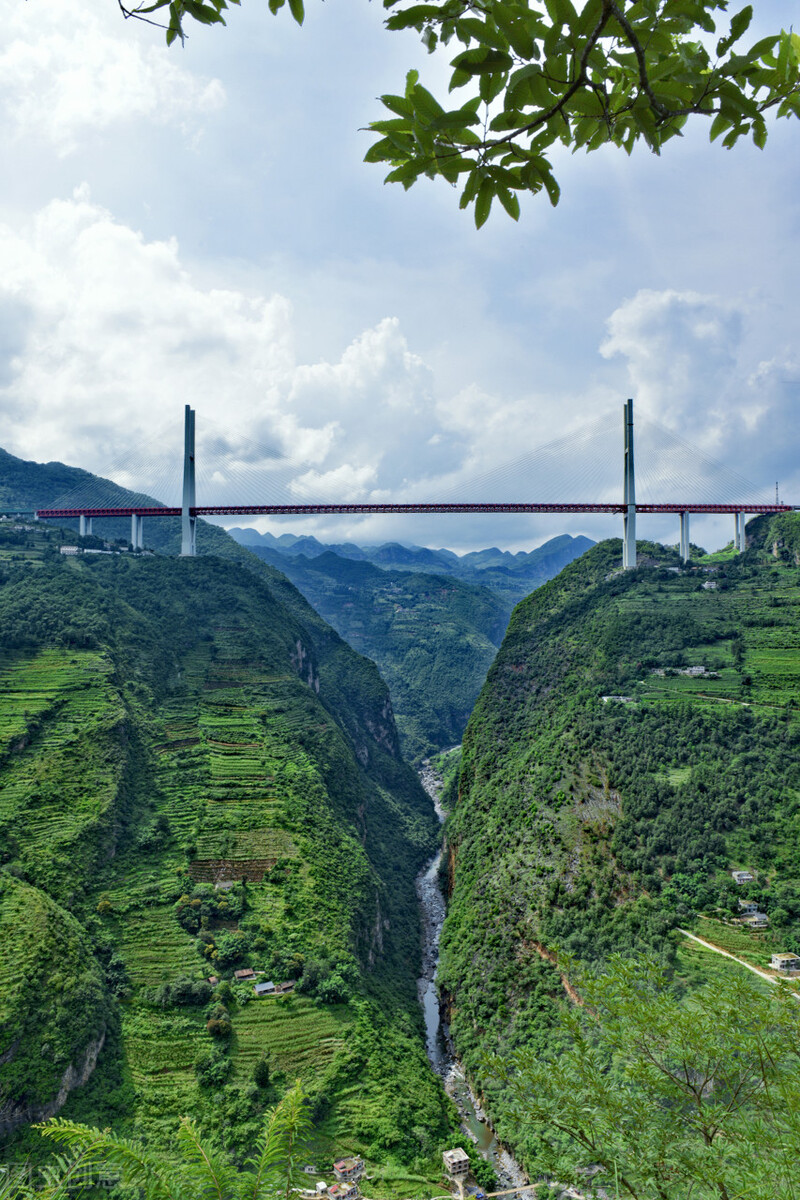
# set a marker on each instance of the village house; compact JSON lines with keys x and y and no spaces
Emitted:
{"x":741,"y":877}
{"x":748,"y":906}
{"x":344,"y":1191}
{"x":789,"y":964}
{"x":347,"y":1170}
{"x":268,"y":989}
{"x":756,"y":920}
{"x":456,"y":1163}
{"x":245,"y":973}
{"x":68,"y":550}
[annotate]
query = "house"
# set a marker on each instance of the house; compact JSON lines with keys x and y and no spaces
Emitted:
{"x":756,"y":920}
{"x":246,"y":973}
{"x":348,"y":1169}
{"x":212,"y":979}
{"x":268,"y":989}
{"x":308,"y":1169}
{"x":710,"y":585}
{"x":788,"y":963}
{"x":747,"y":907}
{"x":321,"y":1187}
{"x":68,"y":550}
{"x":741,"y":877}
{"x":456,"y":1163}
{"x":344,"y":1191}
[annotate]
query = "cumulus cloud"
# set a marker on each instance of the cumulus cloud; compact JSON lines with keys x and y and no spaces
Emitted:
{"x":694,"y":371}
{"x":108,"y":335}
{"x":65,"y":71}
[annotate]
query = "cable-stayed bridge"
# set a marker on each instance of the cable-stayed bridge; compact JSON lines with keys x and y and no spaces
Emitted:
{"x":552,"y":464}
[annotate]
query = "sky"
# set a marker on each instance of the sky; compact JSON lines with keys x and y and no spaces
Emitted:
{"x":197,"y":225}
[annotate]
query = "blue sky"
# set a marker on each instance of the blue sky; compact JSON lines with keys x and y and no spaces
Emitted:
{"x":197,"y":225}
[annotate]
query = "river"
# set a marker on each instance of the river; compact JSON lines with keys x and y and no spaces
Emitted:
{"x":437,"y":1039}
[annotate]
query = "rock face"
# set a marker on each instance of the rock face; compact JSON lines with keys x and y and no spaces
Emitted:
{"x":13,"y":1115}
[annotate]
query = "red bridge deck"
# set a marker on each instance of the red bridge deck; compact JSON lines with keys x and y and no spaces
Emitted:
{"x":299,"y":510}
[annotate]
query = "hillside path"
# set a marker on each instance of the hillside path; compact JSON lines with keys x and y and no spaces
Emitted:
{"x":727,"y":954}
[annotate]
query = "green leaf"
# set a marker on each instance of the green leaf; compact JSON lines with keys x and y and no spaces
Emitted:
{"x":739,"y":25}
{"x":483,"y":202}
{"x":509,"y":201}
{"x":482,"y":61}
{"x":297,"y":10}
{"x":718,"y":126}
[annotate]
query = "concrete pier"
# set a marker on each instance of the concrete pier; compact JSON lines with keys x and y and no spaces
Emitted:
{"x":84,"y":525}
{"x":684,"y":547}
{"x":137,"y":531}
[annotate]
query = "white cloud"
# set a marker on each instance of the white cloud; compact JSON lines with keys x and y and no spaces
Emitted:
{"x":691,"y":369}
{"x":65,"y":72}
{"x":108,"y":336}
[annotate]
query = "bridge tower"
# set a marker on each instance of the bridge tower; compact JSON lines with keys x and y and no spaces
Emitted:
{"x":628,"y":493}
{"x":188,"y":521}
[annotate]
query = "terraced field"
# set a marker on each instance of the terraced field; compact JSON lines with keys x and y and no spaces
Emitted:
{"x":62,"y":729}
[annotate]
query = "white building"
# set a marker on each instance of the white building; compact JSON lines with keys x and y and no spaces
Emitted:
{"x":456,"y":1163}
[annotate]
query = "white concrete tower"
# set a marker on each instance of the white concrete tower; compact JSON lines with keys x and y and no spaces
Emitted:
{"x":629,"y":493}
{"x":188,"y":521}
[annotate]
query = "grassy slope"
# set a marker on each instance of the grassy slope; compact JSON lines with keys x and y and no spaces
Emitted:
{"x":167,"y":721}
{"x":587,"y":826}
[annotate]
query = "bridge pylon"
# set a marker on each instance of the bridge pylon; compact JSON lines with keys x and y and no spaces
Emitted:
{"x":188,"y":519}
{"x":628,"y":493}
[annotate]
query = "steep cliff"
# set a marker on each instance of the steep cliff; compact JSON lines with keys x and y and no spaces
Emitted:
{"x":636,"y":740}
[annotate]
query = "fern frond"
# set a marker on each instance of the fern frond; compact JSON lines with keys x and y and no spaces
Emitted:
{"x":208,"y":1173}
{"x":101,"y":1149}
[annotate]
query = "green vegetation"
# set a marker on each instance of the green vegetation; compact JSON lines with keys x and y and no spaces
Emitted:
{"x":53,"y":1005}
{"x":647,"y":1092}
{"x":605,"y":794}
{"x":198,"y":777}
{"x":433,"y":638}
{"x":194,"y":1167}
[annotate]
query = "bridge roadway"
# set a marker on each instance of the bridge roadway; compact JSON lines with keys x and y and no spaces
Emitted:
{"x":299,"y":510}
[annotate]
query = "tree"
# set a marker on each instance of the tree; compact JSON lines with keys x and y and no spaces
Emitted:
{"x":194,"y":1168}
{"x":651,"y":1094}
{"x":542,"y":72}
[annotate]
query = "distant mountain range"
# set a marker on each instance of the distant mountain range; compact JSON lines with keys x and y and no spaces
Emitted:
{"x":511,"y":576}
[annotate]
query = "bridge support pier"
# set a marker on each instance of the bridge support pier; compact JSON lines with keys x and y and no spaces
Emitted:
{"x":188,"y":519}
{"x":629,"y":494}
{"x":684,"y":549}
{"x":739,"y":545}
{"x":84,"y":525}
{"x":137,"y":531}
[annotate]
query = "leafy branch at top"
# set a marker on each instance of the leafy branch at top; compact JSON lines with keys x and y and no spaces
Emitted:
{"x":544,"y":73}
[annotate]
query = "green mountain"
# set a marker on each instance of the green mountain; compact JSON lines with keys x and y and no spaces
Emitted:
{"x":432,"y":636}
{"x":636,"y":741}
{"x":198,"y":777}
